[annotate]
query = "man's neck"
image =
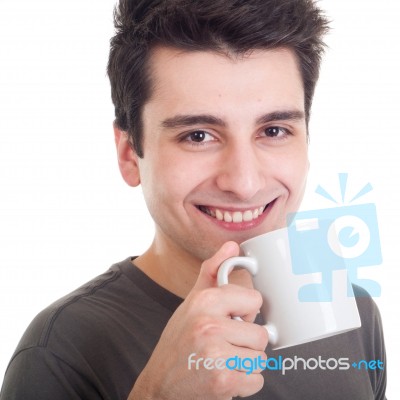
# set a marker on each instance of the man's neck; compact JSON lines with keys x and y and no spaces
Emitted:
{"x":177,"y":272}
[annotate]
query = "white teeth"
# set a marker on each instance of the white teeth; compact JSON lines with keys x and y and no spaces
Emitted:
{"x":247,"y":216}
{"x":236,"y":216}
{"x":227,"y":217}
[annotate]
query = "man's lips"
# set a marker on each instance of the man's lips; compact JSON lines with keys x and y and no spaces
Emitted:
{"x":234,"y":216}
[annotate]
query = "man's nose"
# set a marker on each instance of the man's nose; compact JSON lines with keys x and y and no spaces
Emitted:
{"x":242,"y":171}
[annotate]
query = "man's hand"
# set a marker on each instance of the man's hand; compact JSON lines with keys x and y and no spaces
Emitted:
{"x":203,"y":325}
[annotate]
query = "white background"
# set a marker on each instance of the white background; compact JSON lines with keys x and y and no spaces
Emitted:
{"x":65,"y":213}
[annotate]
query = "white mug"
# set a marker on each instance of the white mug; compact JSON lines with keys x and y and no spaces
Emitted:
{"x":291,"y":321}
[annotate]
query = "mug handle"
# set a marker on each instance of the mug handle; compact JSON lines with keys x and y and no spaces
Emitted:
{"x":251,"y":265}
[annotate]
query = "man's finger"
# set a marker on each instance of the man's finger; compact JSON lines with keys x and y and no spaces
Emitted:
{"x":209,"y":269}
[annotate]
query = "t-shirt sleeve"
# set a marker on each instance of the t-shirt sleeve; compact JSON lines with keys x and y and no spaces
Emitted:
{"x":381,"y":378}
{"x":373,"y":338}
{"x":36,"y":373}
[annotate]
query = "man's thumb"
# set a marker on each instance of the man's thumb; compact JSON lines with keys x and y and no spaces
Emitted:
{"x":209,"y":269}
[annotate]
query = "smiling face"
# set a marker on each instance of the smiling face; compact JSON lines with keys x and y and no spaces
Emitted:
{"x":225,"y":147}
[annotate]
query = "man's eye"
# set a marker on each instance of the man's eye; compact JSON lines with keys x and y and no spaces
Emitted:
{"x":275,"y":131}
{"x":199,"y":137}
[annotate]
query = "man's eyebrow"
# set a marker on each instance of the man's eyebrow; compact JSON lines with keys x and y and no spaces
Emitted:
{"x":293,"y":115}
{"x":181,"y":121}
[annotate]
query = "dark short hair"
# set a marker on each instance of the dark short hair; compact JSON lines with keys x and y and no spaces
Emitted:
{"x":225,"y":26}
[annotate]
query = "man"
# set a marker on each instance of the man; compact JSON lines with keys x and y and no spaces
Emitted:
{"x":212,"y":105}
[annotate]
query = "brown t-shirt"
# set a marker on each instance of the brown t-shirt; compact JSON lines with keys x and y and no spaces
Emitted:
{"x":93,"y":344}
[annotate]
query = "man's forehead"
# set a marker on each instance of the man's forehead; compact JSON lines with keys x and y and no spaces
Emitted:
{"x":161,"y":54}
{"x":172,"y":69}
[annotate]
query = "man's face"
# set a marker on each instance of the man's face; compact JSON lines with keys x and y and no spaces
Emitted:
{"x":225,"y":147}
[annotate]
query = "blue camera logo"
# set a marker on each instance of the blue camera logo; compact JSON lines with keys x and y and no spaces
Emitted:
{"x":339,"y":238}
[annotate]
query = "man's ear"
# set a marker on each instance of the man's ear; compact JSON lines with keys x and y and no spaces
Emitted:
{"x":127,"y":158}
